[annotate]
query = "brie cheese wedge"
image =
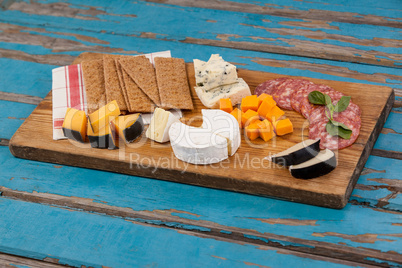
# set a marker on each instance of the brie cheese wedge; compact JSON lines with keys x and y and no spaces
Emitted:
{"x":197,"y":145}
{"x":223,"y":124}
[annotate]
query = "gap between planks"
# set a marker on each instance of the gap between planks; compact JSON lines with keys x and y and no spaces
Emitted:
{"x":22,"y":98}
{"x":7,"y":260}
{"x":207,"y":229}
{"x":312,"y":14}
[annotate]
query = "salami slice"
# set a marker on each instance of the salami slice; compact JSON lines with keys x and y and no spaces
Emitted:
{"x":317,"y":130}
{"x":305,"y":106}
{"x":297,"y":96}
{"x":283,"y":95}
{"x":352,"y":112}
{"x":269,"y":86}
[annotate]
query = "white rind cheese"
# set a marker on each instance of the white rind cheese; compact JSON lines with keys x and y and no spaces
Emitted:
{"x":161,"y":121}
{"x":214,"y":73}
{"x":223,"y":124}
{"x":235,"y":92}
{"x":197,"y":145}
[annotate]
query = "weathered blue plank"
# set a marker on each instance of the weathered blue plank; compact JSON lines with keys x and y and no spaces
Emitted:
{"x":78,"y":238}
{"x":380,"y":184}
{"x":226,"y":209}
{"x":391,"y":139}
{"x":260,"y":29}
{"x":12,"y":116}
{"x":388,"y":8}
{"x":37,"y":78}
{"x":276,"y":63}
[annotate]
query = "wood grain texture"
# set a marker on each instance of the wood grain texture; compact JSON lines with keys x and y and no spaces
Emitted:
{"x":20,"y":98}
{"x":220,"y":232}
{"x":12,"y":261}
{"x":277,"y":223}
{"x":144,"y":158}
{"x":293,"y":9}
{"x":54,"y":230}
{"x":293,"y":36}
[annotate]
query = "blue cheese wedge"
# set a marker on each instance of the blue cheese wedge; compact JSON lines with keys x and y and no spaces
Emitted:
{"x":214,"y":73}
{"x":235,"y":91}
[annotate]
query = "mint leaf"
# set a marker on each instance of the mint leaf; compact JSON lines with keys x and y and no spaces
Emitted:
{"x":335,"y":128}
{"x":342,"y":104}
{"x":316,"y":97}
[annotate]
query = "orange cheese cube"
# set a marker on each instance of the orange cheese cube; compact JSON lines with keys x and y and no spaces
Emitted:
{"x":263,"y":96}
{"x":252,"y":131}
{"x":250,"y":103}
{"x":283,"y":127}
{"x":238,"y":115}
{"x":226,"y":105}
{"x":274,"y":114}
{"x":249,"y":117}
{"x":266,"y":130}
{"x":265,"y":107}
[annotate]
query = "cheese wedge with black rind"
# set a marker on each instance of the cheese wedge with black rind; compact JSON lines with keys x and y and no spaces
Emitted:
{"x":298,"y":153}
{"x":323,"y":163}
{"x":128,"y":127}
{"x":102,"y":117}
{"x":103,"y":139}
{"x":75,"y":125}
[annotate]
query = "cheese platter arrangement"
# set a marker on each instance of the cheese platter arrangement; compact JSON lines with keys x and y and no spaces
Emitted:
{"x":210,"y":124}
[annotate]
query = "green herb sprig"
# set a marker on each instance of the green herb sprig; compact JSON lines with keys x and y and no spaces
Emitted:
{"x":333,"y":127}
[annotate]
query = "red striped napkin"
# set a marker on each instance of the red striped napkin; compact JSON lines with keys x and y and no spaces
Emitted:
{"x":68,"y":91}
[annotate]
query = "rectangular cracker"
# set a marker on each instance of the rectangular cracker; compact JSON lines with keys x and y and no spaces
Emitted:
{"x":94,"y":84}
{"x":122,"y":85}
{"x":172,"y":82}
{"x":112,"y":84}
{"x":137,"y":99}
{"x":142,"y":72}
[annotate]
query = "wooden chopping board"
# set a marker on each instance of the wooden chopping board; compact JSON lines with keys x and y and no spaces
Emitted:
{"x":247,"y":171}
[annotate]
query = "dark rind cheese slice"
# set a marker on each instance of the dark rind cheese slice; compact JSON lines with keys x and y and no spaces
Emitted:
{"x":75,"y":125}
{"x":323,"y":163}
{"x":102,"y":139}
{"x":298,"y":153}
{"x":128,"y":127}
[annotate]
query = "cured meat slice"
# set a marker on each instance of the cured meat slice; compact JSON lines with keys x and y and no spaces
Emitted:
{"x":283,"y":95}
{"x":269,"y":86}
{"x":352,"y":106}
{"x":317,"y":130}
{"x":306,"y":107}
{"x":351,"y":112}
{"x":297,"y":96}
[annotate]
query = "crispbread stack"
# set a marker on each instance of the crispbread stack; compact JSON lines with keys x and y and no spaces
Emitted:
{"x":94,"y":84}
{"x":135,"y":84}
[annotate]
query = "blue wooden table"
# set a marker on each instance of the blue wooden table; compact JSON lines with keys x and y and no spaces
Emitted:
{"x":53,"y":215}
